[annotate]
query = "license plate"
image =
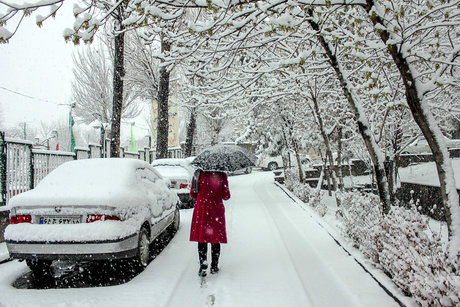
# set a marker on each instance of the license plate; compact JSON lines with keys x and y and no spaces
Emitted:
{"x":60,"y":220}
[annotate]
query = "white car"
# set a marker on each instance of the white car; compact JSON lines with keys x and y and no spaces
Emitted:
{"x":420,"y":146}
{"x":274,"y":162}
{"x":180,"y":173}
{"x":96,"y":209}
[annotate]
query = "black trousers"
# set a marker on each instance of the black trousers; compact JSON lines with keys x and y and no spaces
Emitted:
{"x":203,"y":252}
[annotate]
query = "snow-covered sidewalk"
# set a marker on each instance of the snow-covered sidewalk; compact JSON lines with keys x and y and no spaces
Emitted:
{"x":278,"y":255}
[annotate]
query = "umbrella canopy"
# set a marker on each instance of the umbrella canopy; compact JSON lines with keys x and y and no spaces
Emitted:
{"x":224,"y":158}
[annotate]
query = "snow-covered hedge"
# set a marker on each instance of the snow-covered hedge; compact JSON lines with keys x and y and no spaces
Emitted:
{"x":304,"y":192}
{"x":359,"y":214}
{"x":402,"y":245}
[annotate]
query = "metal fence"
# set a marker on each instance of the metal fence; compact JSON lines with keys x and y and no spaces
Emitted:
{"x":22,"y":167}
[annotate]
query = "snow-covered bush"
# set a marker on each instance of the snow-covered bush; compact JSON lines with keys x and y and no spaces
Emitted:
{"x":415,"y":259}
{"x":304,"y":192}
{"x":402,"y":245}
{"x":316,"y":201}
{"x":359,"y":214}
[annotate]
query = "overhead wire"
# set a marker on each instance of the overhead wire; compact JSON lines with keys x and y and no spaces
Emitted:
{"x":28,"y":96}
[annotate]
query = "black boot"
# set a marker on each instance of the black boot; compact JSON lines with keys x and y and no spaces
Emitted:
{"x":215,"y":253}
{"x":202,"y":255}
{"x":214,"y":269}
{"x":203,"y":268}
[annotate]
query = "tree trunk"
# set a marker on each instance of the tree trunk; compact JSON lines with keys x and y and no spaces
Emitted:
{"x":431,"y":131}
{"x":329,"y":157}
{"x":163,"y":108}
{"x":389,"y":169}
{"x":339,"y":158}
{"x":191,"y":127}
{"x":117,"y":108}
{"x":363,"y":126}
{"x":295,"y":146}
{"x":215,"y":131}
{"x":320,"y":179}
{"x":299,"y":162}
{"x":327,"y":173}
{"x":396,"y":156}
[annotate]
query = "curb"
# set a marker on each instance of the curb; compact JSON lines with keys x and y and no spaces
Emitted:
{"x":6,"y":260}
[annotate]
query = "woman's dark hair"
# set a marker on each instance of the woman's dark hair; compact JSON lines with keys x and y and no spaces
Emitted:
{"x":196,"y":181}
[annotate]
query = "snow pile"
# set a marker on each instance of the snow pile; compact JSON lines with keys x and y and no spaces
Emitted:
{"x":426,"y":173}
{"x":403,"y":246}
{"x":307,"y":194}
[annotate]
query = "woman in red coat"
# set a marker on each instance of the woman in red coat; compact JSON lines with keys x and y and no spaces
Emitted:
{"x":208,"y":221}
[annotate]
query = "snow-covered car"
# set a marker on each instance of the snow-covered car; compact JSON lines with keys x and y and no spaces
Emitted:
{"x":420,"y":146}
{"x":274,"y":162}
{"x":180,"y":173}
{"x":96,"y":209}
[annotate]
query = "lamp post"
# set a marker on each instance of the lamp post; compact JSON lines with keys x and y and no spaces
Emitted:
{"x":103,"y":126}
{"x":54,"y":134}
{"x":132,"y":137}
{"x":102,"y":137}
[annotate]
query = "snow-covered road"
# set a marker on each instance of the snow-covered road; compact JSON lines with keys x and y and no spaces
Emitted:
{"x":278,"y":255}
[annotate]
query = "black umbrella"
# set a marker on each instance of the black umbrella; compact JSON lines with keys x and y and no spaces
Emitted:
{"x":224,"y":158}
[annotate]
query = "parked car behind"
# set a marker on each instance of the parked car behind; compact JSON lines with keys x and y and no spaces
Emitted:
{"x":271,"y":163}
{"x":180,"y":173}
{"x":96,"y":209}
{"x":420,"y":146}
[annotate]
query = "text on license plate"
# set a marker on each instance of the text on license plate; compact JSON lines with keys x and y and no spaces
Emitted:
{"x":60,"y":220}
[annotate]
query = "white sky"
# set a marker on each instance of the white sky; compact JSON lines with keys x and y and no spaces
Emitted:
{"x":37,"y":65}
{"x":37,"y":62}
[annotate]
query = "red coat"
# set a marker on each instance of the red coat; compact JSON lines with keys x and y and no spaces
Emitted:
{"x":208,"y":221}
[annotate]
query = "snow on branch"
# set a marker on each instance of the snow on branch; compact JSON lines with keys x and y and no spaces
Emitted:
{"x":12,"y":9}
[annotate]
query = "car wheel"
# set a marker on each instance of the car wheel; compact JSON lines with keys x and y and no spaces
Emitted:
{"x":39,"y":266}
{"x":248,"y":170}
{"x":143,"y":249}
{"x":272,"y":166}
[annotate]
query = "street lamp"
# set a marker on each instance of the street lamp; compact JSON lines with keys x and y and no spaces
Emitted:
{"x":54,"y":134}
{"x":103,"y":126}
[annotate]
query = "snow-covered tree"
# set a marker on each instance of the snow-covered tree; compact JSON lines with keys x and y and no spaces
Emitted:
{"x":92,"y":87}
{"x":423,"y":42}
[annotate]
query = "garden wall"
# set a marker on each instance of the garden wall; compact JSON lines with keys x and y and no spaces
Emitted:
{"x":429,"y":196}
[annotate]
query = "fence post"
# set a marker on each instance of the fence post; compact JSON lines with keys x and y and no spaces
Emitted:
{"x":31,"y":167}
{"x":147,"y":154}
{"x":3,"y":149}
{"x":90,"y":152}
